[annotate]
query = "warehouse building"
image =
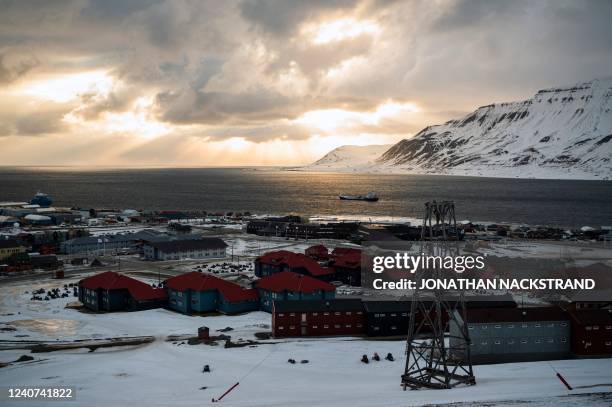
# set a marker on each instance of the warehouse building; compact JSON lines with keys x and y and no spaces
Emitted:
{"x":199,"y":292}
{"x":204,"y":248}
{"x":317,"y":318}
{"x":516,"y":334}
{"x":288,"y":286}
{"x":112,"y":291}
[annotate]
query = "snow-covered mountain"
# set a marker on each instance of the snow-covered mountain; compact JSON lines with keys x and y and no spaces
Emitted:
{"x":559,"y":133}
{"x":349,"y":157}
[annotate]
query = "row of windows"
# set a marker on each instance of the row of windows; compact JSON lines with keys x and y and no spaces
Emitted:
{"x":523,"y":341}
{"x":536,"y":325}
{"x":382,"y":315}
{"x":325,"y":326}
{"x":316,"y":314}
{"x":596,"y":327}
{"x":607,"y":343}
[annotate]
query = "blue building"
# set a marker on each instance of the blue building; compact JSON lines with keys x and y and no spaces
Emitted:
{"x":288,"y":286}
{"x":200,"y":292}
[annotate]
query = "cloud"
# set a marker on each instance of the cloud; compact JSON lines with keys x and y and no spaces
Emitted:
{"x":215,"y":70}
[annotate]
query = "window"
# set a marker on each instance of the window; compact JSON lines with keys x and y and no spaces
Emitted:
{"x":393,"y":328}
{"x":563,"y":339}
{"x":523,"y":340}
{"x":280,"y":328}
{"x":596,"y":328}
{"x":359,"y":325}
{"x":484,"y":327}
{"x":337,"y":326}
{"x":292,"y":314}
{"x":348,"y":326}
{"x":336,"y":313}
{"x":588,"y":328}
{"x":511,"y":342}
{"x":497,"y":326}
{"x":376,"y":328}
{"x":404,"y":314}
{"x":348,"y":313}
{"x":315,"y":314}
{"x":563,"y":323}
{"x":608,"y":327}
{"x":325,"y":326}
{"x":291,"y":326}
{"x":483,"y":342}
{"x":470,"y":326}
{"x":498,"y":342}
{"x":608,"y":343}
{"x":315,"y":327}
{"x":524,"y":326}
{"x":537,"y":325}
{"x":281,"y":315}
{"x":179,"y":293}
{"x":538,"y":341}
{"x":551,"y":325}
{"x":359,"y":312}
{"x":394,"y":315}
{"x":510,"y":326}
{"x":326,"y":313}
{"x":550,"y":340}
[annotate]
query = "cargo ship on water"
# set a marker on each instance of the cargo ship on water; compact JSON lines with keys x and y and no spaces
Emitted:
{"x":369,"y":197}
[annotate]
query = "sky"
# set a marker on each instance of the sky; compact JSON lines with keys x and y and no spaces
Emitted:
{"x":271,"y":82}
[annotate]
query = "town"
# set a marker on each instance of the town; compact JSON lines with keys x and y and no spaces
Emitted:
{"x":299,"y":279}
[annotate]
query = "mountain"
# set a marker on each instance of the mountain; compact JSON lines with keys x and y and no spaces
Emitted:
{"x":349,"y":157}
{"x":559,"y":133}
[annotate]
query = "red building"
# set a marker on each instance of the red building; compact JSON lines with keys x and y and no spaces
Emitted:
{"x":288,"y":286}
{"x":318,"y":318}
{"x":282,"y":260}
{"x":346,"y":263}
{"x":112,"y":291}
{"x":592,"y":333}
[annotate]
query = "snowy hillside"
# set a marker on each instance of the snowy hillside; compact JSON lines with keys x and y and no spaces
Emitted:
{"x":559,"y":133}
{"x":348,"y":157}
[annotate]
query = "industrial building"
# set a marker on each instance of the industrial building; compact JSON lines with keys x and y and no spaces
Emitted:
{"x":317,"y":318}
{"x":516,"y":334}
{"x":112,"y":291}
{"x":204,"y":248}
{"x":288,"y":286}
{"x":200,"y":292}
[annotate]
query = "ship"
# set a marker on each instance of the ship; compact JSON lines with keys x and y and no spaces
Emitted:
{"x":369,"y":197}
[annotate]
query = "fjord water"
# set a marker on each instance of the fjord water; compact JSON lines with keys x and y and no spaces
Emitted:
{"x":260,"y":190}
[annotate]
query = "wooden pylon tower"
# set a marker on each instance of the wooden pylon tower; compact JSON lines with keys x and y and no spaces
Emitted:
{"x":436,"y":356}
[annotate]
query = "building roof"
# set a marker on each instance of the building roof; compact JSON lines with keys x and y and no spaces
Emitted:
{"x":286,"y":280}
{"x":176,"y":246}
{"x":294,"y":260}
{"x":111,"y":280}
{"x":8,"y":243}
{"x":349,"y":258}
{"x":487,"y":315}
{"x":207,"y":282}
{"x":338,"y":304}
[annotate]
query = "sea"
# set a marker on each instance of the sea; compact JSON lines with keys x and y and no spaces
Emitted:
{"x":274,"y":191}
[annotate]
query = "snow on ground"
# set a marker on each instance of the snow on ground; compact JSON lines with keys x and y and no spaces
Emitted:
{"x":164,"y":373}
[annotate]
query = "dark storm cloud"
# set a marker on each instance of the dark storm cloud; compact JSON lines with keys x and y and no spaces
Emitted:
{"x":247,"y":67}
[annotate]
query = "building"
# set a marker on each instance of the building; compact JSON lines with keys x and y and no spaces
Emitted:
{"x":516,"y":334}
{"x":592,"y":333}
{"x":288,"y":286}
{"x":204,"y":248}
{"x":317,"y":318}
{"x":201,"y":292}
{"x":317,"y":252}
{"x":346,"y":263}
{"x":10,"y":247}
{"x":45,"y":261}
{"x":112,"y":291}
{"x":282,"y":260}
{"x":386,"y":318}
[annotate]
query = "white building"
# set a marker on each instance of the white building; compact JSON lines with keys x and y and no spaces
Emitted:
{"x":205,"y":248}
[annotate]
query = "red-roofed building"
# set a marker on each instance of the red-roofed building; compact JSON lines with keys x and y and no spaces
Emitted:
{"x":282,"y":260}
{"x":287,"y":286}
{"x":317,"y":252}
{"x":112,"y":291}
{"x":346,"y":263}
{"x":202,"y":292}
